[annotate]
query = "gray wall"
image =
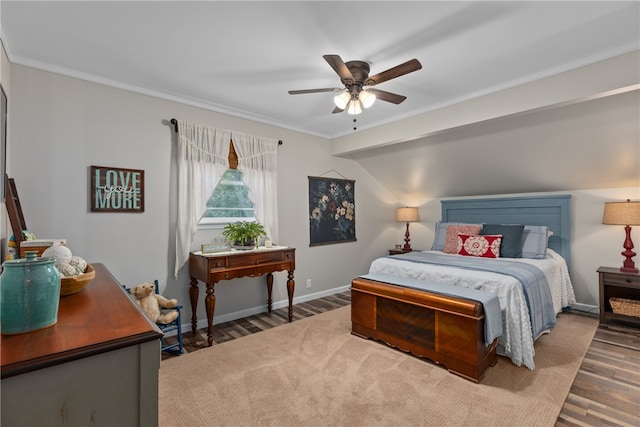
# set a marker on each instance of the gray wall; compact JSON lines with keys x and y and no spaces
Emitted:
{"x":589,"y":149}
{"x":593,"y":144}
{"x":59,"y":126}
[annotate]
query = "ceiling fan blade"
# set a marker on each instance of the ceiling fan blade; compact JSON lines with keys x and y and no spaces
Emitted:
{"x":326,"y":89}
{"x":394,"y":98}
{"x":340,"y":67}
{"x":337,"y":110}
{"x":397,"y":71}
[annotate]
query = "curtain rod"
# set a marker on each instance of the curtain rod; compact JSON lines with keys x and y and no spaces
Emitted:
{"x":174,"y":122}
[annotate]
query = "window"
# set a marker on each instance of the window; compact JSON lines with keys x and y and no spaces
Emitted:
{"x":229,"y":201}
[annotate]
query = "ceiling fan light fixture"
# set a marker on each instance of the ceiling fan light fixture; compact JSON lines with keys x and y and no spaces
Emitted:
{"x":354,"y":75}
{"x":341,"y":100}
{"x":354,"y":107}
{"x":367,"y":98}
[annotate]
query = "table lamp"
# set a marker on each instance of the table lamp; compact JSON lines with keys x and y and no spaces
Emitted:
{"x":627,"y":214}
{"x":407,"y":215}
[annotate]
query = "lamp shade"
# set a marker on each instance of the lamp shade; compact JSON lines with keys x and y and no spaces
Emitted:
{"x":407,"y":215}
{"x":367,"y":98}
{"x":354,"y":107}
{"x":621,"y":213}
{"x":341,"y":100}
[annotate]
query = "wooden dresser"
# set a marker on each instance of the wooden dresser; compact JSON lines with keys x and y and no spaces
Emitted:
{"x":98,"y":365}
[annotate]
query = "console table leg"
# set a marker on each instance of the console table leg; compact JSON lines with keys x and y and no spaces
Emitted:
{"x":210,"y":306}
{"x":269,"y":289}
{"x":193,"y":296}
{"x":291,"y":284}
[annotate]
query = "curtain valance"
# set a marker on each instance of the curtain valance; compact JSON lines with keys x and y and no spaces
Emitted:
{"x":203,"y":159}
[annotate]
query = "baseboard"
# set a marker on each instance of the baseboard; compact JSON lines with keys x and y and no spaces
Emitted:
{"x":585,"y":308}
{"x":202,"y":323}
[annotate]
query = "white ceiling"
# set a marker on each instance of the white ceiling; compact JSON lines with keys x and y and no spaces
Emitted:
{"x":242,"y":57}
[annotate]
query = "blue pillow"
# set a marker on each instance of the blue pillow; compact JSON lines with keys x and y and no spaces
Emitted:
{"x":440,"y":237}
{"x":535,"y":239}
{"x":511,"y":245}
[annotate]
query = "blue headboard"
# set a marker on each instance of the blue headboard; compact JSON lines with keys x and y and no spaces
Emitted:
{"x":552,"y":211}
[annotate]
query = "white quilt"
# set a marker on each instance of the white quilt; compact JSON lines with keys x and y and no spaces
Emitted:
{"x":516,"y":341}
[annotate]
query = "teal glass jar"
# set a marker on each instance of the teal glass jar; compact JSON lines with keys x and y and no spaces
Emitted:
{"x":29,"y":294}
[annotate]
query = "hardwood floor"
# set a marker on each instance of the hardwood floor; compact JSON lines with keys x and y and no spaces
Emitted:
{"x":605,"y":392}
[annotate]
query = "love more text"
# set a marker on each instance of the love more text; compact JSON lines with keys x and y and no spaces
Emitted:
{"x":117,"y":190}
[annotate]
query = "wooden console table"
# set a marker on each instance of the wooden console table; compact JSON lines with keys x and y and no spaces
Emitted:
{"x":212,"y":268}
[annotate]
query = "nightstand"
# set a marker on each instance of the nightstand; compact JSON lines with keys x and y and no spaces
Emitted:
{"x":400,"y":251}
{"x":616,"y":283}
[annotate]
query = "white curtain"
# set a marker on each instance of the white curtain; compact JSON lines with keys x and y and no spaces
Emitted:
{"x":203,"y":159}
{"x":258,"y":162}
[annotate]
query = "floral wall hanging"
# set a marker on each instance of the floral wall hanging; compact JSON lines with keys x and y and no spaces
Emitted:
{"x":332,"y":217}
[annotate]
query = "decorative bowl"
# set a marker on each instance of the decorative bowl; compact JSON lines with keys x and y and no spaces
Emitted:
{"x":74,"y":284}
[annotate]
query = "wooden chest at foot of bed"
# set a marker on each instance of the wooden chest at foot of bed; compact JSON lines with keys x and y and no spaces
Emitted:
{"x":442,"y":328}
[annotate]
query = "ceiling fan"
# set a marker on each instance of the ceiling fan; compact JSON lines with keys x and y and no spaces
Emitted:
{"x":357,"y":92}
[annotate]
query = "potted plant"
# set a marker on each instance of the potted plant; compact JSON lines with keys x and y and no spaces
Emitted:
{"x":244,"y":234}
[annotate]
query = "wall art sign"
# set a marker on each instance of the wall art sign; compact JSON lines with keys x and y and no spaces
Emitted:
{"x":332,"y":211}
{"x":116,"y":189}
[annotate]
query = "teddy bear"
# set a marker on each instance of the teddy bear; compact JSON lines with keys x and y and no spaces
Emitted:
{"x":146,"y":297}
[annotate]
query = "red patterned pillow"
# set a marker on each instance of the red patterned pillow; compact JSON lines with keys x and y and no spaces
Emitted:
{"x":486,"y":246}
{"x":451,"y":242}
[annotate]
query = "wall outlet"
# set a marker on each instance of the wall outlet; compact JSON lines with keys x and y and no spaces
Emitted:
{"x":308,"y":283}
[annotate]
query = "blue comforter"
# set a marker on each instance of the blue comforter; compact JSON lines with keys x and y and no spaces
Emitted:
{"x":533,"y":280}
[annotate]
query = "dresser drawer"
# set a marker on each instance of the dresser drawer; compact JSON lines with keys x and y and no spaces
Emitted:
{"x":254,"y":259}
{"x":258,"y":270}
{"x":218,"y":263}
{"x":621,"y":280}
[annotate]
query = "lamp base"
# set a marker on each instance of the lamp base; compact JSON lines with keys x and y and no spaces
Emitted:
{"x":407,"y":246}
{"x":628,"y":266}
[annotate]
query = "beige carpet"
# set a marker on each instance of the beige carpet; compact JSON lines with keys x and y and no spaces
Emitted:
{"x":313,"y":372}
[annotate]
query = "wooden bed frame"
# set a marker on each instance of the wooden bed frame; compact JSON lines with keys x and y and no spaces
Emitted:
{"x":446,"y":329}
